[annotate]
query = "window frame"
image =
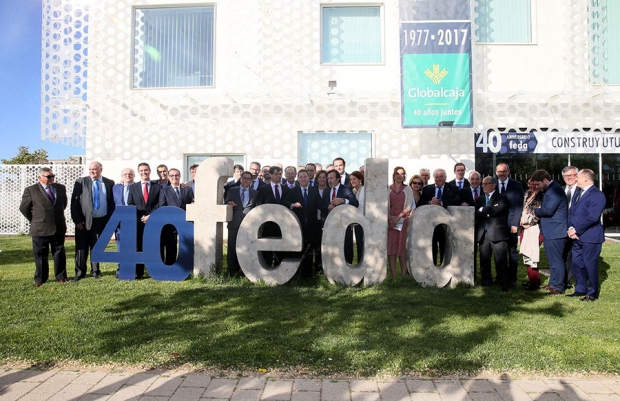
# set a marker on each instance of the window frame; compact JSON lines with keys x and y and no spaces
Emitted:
{"x":132,"y":74}
{"x":533,"y":27}
{"x":351,"y":5}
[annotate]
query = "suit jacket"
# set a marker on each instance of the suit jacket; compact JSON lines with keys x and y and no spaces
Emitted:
{"x":493,"y":216}
{"x":82,"y":200}
{"x":168,"y":197}
{"x":344,"y":192}
{"x":265,"y":194}
{"x":239,"y":211}
{"x":45,"y":218}
{"x":347,"y":179}
{"x":465,"y":195}
{"x":230,"y":184}
{"x":514,"y":193}
{"x":585,"y":216}
{"x":117,"y":192}
{"x":465,"y":183}
{"x":449,"y":196}
{"x":553,"y":213}
{"x":136,"y":198}
{"x":307,"y":214}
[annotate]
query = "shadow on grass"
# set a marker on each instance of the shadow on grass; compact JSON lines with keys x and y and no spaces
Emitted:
{"x":393,"y":327}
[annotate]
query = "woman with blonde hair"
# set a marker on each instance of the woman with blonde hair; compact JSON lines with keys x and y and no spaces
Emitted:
{"x":400,"y":200}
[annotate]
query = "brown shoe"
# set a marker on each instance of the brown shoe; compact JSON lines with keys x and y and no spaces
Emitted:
{"x":63,"y":282}
{"x":38,"y":284}
{"x":553,"y":291}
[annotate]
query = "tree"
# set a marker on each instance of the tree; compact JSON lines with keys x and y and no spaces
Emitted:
{"x":39,"y":156}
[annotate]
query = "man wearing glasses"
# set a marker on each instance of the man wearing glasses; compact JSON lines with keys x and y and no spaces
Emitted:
{"x":43,"y":204}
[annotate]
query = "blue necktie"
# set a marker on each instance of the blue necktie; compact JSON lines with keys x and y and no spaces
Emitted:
{"x":96,"y":200}
{"x":439,"y":193}
{"x":277,"y":193}
{"x":125,"y":194}
{"x":305,"y":197}
{"x":460,"y":184}
{"x":176,"y":189}
{"x":244,"y":197}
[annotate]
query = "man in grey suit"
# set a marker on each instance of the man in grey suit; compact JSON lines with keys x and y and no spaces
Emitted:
{"x":243,"y":199}
{"x":43,"y":204}
{"x":92,"y":204}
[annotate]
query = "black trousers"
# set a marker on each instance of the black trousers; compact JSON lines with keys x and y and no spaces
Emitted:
{"x":499,"y":250}
{"x":41,"y":247}
{"x":85,"y":240}
{"x":348,"y":243}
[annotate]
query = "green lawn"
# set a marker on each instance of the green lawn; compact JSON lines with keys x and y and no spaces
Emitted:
{"x":310,"y":326}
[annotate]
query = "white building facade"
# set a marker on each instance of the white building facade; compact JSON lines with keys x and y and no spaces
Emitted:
{"x":293,"y":82}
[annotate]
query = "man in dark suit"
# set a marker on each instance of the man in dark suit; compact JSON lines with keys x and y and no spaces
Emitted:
{"x":272,"y":193}
{"x":468,"y":195}
{"x":92,"y":205}
{"x":514,"y":192}
{"x":460,"y":181}
{"x":235,"y":180}
{"x":553,"y":216}
{"x":339,"y":166}
{"x":256,"y":181}
{"x":304,"y":200}
{"x":162,"y":173}
{"x":339,"y":194}
{"x":311,"y":169}
{"x":492,"y":233}
{"x":441,"y":194}
{"x":586,"y":230}
{"x":243,"y":199}
{"x":290,"y":173}
{"x":173,"y":195}
{"x":143,"y":194}
{"x":569,"y":174}
{"x":43,"y":204}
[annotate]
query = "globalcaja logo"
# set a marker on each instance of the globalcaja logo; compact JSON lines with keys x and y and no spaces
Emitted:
{"x":436,"y":76}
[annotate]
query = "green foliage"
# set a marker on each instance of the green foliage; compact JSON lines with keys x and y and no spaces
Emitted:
{"x":23,"y":156}
{"x":307,"y":326}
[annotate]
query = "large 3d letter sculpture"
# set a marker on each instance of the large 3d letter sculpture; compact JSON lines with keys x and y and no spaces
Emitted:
{"x":458,"y":263}
{"x":250,"y":244}
{"x":371,"y":267}
{"x":209,"y":213}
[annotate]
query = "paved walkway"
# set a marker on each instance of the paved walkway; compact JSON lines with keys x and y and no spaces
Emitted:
{"x":56,"y":384}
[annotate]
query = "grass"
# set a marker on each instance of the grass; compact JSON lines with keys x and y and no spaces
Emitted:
{"x":304,"y":327}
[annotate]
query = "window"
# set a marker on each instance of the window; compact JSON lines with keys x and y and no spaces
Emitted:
{"x":173,"y":47}
{"x":604,"y":32}
{"x":504,"y":21}
{"x":323,"y":147}
{"x":351,"y":35}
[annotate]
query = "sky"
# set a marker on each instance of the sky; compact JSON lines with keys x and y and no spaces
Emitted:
{"x":20,"y":80}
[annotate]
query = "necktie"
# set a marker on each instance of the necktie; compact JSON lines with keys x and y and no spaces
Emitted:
{"x":50,"y":194}
{"x":125,"y":193}
{"x":487,"y":202}
{"x":305,"y":197}
{"x":145,"y":193}
{"x":176,"y":189}
{"x":578,"y":197}
{"x":244,"y":196}
{"x":460,"y":184}
{"x":569,"y":194}
{"x":475,"y":194}
{"x":277,"y":193}
{"x":96,"y":200}
{"x":503,"y":187}
{"x":334,"y":194}
{"x":439,"y":193}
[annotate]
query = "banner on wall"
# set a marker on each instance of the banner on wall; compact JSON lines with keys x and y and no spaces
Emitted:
{"x":436,"y":74}
{"x":546,"y":142}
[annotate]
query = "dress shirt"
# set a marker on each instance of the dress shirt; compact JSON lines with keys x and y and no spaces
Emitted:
{"x":273,"y":190}
{"x":475,"y":192}
{"x":103,"y":200}
{"x":331,"y":191}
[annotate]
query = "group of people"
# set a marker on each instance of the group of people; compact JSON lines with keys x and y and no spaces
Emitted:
{"x":566,"y":220}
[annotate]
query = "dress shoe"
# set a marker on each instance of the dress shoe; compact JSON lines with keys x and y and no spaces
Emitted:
{"x":569,"y":286}
{"x":97,"y":276}
{"x":76,"y":279}
{"x":38,"y":284}
{"x":575,"y":294}
{"x":546,"y":287}
{"x":588,"y":298}
{"x":63,"y":281}
{"x":553,"y":291}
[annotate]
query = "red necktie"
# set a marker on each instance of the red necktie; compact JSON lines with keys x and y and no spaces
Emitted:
{"x":334,"y":194}
{"x":146,"y":192}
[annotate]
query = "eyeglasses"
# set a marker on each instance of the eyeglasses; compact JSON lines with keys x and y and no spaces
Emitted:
{"x":49,"y":176}
{"x":569,"y":175}
{"x":128,"y":175}
{"x":488,"y":183}
{"x":417,"y":183}
{"x":174,"y":175}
